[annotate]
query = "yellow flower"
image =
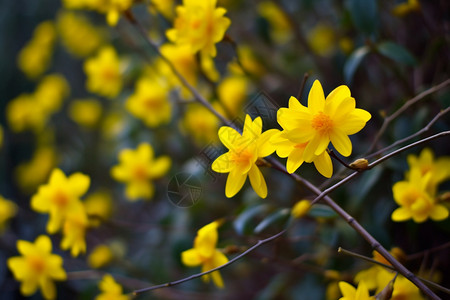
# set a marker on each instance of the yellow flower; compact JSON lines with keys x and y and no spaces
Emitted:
{"x":86,"y":112}
{"x":243,"y":152}
{"x":23,"y":113}
{"x":350,"y":293}
{"x":324,"y":120}
{"x":34,"y":58}
{"x":165,"y":7}
{"x":50,"y":93}
{"x":137,"y":168}
{"x":37,"y":267}
{"x":31,"y":174}
{"x":321,"y":39}
{"x":100,"y":257}
{"x":8,"y":209}
{"x":99,"y":206}
{"x":425,"y":162}
{"x":415,"y":201}
{"x":205,"y":253}
{"x":150,"y":102}
{"x":301,"y":208}
{"x":111,"y":290}
{"x":232,"y":92}
{"x":78,"y":35}
{"x":74,"y":231}
{"x":280,"y":28}
{"x":201,"y":124}
{"x":406,"y":7}
{"x":200,"y":25}
{"x":59,"y":197}
{"x":103,"y":73}
{"x":113,"y":9}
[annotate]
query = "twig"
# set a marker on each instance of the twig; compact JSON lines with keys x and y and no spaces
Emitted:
{"x":435,"y":249}
{"x":302,"y":86}
{"x":258,"y":244}
{"x":412,"y":101}
{"x":373,"y":261}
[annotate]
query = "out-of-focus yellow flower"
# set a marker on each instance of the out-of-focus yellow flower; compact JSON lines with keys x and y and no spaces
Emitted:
{"x":164,"y":7}
{"x":74,"y":231}
{"x":99,"y":206}
{"x":137,"y":168}
{"x":59,"y":197}
{"x":100,"y":257}
{"x":204,"y":253}
{"x":332,"y":292}
{"x":346,"y":45}
{"x":201,"y":124}
{"x":280,"y":27}
{"x":350,"y":293}
{"x":324,"y":120}
{"x":85,"y":112}
{"x":113,"y":124}
{"x":406,"y":7}
{"x":34,"y":58}
{"x":248,"y":60}
{"x":37,"y":267}
{"x":113,"y":9}
{"x":425,"y":162}
{"x":111,"y":290}
{"x":322,"y":39}
{"x":103,"y":73}
{"x":301,"y":208}
{"x":1,"y":136}
{"x":232,"y":93}
{"x":199,"y":24}
{"x":243,"y":152}
{"x":8,"y":210}
{"x":78,"y":35}
{"x":30,"y":175}
{"x":150,"y":102}
{"x":415,"y":201}
{"x":51,"y":92}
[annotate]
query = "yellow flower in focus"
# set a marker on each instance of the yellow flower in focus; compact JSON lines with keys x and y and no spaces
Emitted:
{"x":103,"y":73}
{"x":199,"y":24}
{"x":23,"y":113}
{"x":322,"y":39}
{"x":415,"y":201}
{"x":34,"y":58}
{"x":350,"y":293}
{"x":165,"y":7}
{"x":280,"y":27}
{"x":74,"y":231}
{"x":301,"y":208}
{"x":137,"y":168}
{"x":406,"y":7}
{"x":111,"y":290}
{"x":100,"y":257}
{"x":37,"y":267}
{"x":30,"y":175}
{"x":201,"y":124}
{"x":50,"y":92}
{"x":8,"y":210}
{"x":324,"y":120}
{"x":425,"y":162}
{"x":243,"y":152}
{"x":59,"y":197}
{"x":98,"y":205}
{"x":150,"y":102}
{"x":204,"y":253}
{"x":232,"y":93}
{"x":85,"y":112}
{"x":78,"y":35}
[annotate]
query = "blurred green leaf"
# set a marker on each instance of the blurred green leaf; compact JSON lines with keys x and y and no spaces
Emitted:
{"x":353,"y":62}
{"x":397,"y":53}
{"x":322,"y":211}
{"x":242,"y":223}
{"x":278,"y":217}
{"x":364,"y":14}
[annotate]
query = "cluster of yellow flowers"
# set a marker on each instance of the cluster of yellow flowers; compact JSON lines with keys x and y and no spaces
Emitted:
{"x":417,"y":195}
{"x":111,"y":8}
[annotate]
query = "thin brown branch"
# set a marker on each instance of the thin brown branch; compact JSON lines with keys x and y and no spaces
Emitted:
{"x":409,"y":103}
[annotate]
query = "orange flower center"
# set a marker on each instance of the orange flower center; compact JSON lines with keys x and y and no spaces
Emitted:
{"x":140,"y":173}
{"x":301,"y":146}
{"x":60,"y":199}
{"x":109,"y":74}
{"x":242,"y":156}
{"x":37,"y":264}
{"x":322,"y":123}
{"x":152,"y":104}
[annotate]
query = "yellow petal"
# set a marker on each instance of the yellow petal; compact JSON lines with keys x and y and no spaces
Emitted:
{"x":347,"y":289}
{"x":160,"y":166}
{"x":257,"y":181}
{"x":48,"y":288}
{"x":401,"y":214}
{"x":265,"y":148}
{"x":316,"y":98}
{"x":335,"y":97}
{"x":78,"y":183}
{"x":44,"y":243}
{"x":310,"y":149}
{"x":439,"y":212}
{"x":324,"y":164}
{"x":191,"y":258}
{"x":235,"y":181}
{"x":341,"y":143}
{"x":228,"y":136}
{"x":222,"y":164}
{"x":295,"y":160}
{"x":28,"y":287}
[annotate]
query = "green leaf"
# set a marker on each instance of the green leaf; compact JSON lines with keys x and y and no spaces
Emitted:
{"x":397,"y":53}
{"x":242,"y":224}
{"x":364,"y":14}
{"x":321,"y":211}
{"x":353,"y":62}
{"x":280,"y":216}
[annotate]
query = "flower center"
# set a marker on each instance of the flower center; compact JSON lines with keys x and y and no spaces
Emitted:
{"x":322,"y":123}
{"x":37,"y":264}
{"x":243,"y":156}
{"x":140,"y":173}
{"x":152,"y":104}
{"x":301,"y":146}
{"x":109,"y":74}
{"x":60,"y":199}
